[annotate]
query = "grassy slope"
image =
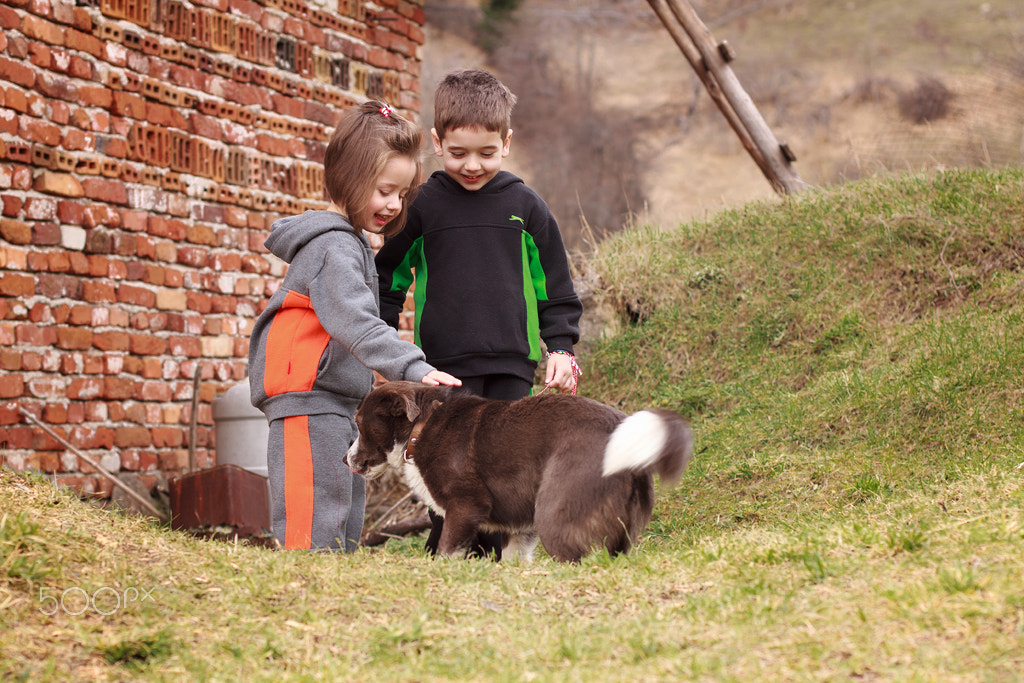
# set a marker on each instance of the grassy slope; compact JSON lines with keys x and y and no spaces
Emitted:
{"x":854,"y":365}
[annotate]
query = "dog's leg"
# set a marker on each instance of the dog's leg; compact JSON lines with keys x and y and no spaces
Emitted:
{"x":459,"y":531}
{"x":520,"y":547}
{"x":436,"y":526}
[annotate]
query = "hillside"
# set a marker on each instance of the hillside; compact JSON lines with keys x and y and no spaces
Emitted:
{"x":853,"y":365}
{"x":613,"y":122}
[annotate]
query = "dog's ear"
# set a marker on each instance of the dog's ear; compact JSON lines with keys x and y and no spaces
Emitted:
{"x":409,"y":407}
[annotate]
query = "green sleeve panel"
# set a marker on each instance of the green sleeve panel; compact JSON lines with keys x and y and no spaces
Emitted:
{"x":403,"y":276}
{"x":534,"y":290}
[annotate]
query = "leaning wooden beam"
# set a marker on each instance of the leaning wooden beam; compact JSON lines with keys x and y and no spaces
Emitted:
{"x":117,"y":482}
{"x":689,"y":50}
{"x":710,"y":63}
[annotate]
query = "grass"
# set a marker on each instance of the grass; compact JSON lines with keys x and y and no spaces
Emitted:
{"x":854,"y":367}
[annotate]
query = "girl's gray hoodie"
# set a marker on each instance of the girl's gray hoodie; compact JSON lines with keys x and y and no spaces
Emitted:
{"x":313,"y":350}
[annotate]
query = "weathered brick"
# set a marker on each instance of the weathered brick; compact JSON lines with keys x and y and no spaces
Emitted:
{"x":17,"y":285}
{"x":83,"y":42}
{"x":146,"y":345}
{"x":201,"y":234}
{"x":97,"y":292}
{"x":8,"y":125}
{"x":135,"y":221}
{"x":117,"y":269}
{"x":58,"y":262}
{"x":9,"y":18}
{"x":95,"y":96}
{"x":71,"y":213}
{"x":154,"y":391}
{"x":40,"y":29}
{"x":171,"y":299}
{"x":136,"y":413}
{"x":112,"y":191}
{"x":138,"y":296}
{"x":15,"y":232}
{"x":163,"y":115}
{"x":132,"y":437}
{"x":78,"y":140}
{"x":15,"y":71}
{"x":74,"y":338}
{"x":57,"y":86}
{"x":152,"y":368}
{"x":118,"y":388}
{"x":92,"y":438}
{"x":10,"y":359}
{"x":111,"y":340}
{"x":11,"y":386}
{"x":63,"y":184}
{"x":46,"y":234}
{"x":205,"y":126}
{"x":37,"y":130}
{"x":45,"y":460}
{"x":129,"y":105}
{"x":80,"y":315}
{"x":101,"y":214}
{"x":41,"y":312}
{"x":159,"y":226}
{"x":47,"y":388}
{"x":80,"y":68}
{"x":190,"y":347}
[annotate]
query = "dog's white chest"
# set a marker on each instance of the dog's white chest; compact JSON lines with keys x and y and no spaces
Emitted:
{"x":414,"y":480}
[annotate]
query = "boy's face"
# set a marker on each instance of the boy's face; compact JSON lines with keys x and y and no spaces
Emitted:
{"x":393,"y":184}
{"x":472,"y":156}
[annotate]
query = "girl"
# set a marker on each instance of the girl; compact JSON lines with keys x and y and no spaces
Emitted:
{"x":315,"y":347}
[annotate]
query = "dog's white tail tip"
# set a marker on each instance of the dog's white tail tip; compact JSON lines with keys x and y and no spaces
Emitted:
{"x":635,"y":444}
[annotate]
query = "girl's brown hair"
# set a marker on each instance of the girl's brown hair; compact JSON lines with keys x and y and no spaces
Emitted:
{"x":367,"y":137}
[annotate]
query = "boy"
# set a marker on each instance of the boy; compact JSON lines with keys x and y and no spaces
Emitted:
{"x":492,"y":277}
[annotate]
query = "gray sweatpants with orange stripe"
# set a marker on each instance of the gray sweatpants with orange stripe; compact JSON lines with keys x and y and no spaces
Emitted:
{"x":316,"y":500}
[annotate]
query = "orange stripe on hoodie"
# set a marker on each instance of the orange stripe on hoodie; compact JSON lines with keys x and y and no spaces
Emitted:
{"x":295,"y":342}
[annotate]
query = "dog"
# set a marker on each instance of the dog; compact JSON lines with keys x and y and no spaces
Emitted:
{"x":572,"y":471}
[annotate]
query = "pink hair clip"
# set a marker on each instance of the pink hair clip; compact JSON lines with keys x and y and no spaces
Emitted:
{"x":386,"y":110}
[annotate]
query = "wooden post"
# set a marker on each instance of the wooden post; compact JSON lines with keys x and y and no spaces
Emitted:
{"x":711,"y":64}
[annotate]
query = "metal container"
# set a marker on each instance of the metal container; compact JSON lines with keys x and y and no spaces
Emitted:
{"x":241,"y":430}
{"x":225,"y":495}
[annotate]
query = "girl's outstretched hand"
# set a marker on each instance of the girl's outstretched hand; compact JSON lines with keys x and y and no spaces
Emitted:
{"x":436,"y":377}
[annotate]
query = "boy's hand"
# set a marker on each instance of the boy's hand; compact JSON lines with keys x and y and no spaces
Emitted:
{"x":436,"y":377}
{"x":562,"y":372}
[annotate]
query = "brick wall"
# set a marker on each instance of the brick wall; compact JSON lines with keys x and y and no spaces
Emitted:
{"x":146,"y":146}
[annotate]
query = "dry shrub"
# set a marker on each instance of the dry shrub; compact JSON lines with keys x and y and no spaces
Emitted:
{"x":929,"y":101}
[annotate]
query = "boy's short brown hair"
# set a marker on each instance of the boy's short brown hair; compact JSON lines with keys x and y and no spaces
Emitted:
{"x":472,"y":98}
{"x":367,"y":137}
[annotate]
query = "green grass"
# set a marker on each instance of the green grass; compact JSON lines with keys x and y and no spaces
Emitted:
{"x":853,"y":363}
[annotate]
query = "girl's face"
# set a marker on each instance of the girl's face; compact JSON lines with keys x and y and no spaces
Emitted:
{"x":393,"y":184}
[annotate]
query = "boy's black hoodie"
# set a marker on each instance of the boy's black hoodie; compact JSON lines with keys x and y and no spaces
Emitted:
{"x":492,"y":277}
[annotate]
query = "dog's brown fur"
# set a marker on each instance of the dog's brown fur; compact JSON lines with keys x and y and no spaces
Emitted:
{"x":526,"y":468}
